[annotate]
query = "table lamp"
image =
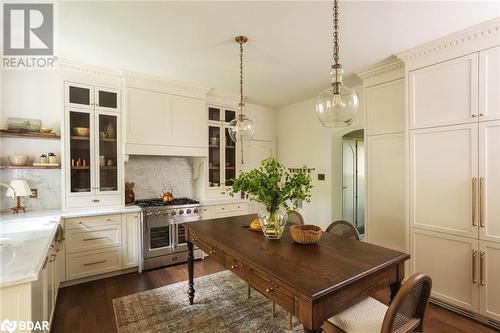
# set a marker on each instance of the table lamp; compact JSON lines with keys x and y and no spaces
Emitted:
{"x":18,"y":188}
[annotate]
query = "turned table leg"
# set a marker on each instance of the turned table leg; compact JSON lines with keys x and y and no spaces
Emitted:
{"x":317,"y":330}
{"x":190,"y":272}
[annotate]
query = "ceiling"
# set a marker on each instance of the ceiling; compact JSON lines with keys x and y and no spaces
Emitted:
{"x":288,"y":55}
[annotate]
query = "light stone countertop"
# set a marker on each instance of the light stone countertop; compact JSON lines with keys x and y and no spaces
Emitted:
{"x":25,"y":239}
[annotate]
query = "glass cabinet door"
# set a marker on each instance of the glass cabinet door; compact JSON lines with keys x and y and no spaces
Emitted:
{"x":79,"y":95}
{"x":80,"y":151}
{"x":214,"y":156}
{"x":230,"y":158}
{"x":107,"y":152}
{"x":229,"y":115}
{"x":107,"y":99}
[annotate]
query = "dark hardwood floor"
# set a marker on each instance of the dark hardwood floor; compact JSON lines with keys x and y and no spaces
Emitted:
{"x":88,"y":307}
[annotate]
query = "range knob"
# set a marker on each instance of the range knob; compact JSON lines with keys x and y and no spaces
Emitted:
{"x":173,"y":212}
{"x":148,"y":213}
{"x":165,"y":212}
{"x":157,"y":213}
{"x":188,"y":211}
{"x":195,"y":211}
{"x":181,"y":212}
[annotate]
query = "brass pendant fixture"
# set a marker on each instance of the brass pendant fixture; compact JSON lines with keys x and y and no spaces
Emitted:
{"x":337,"y":105}
{"x":241,"y":129}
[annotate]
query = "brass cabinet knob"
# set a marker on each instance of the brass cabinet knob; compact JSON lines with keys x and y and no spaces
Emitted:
{"x":268,"y":290}
{"x":234,"y":266}
{"x":211,"y":251}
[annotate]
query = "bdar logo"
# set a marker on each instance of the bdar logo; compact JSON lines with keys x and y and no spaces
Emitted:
{"x":8,"y":325}
{"x":28,"y":29}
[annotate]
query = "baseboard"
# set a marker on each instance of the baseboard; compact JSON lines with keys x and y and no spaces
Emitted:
{"x":97,"y":277}
{"x":466,"y":313}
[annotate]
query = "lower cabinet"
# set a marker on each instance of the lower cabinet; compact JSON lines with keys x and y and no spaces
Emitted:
{"x":131,"y":239}
{"x":224,"y":210}
{"x":465,"y":271}
{"x":83,"y":264}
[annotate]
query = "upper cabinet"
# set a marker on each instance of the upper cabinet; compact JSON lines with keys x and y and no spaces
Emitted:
{"x":444,"y":94}
{"x":163,"y":124}
{"x":386,"y":104}
{"x":93,"y":164}
{"x":489,"y":84}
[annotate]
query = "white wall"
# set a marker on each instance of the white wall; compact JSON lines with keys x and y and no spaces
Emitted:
{"x":303,"y":140}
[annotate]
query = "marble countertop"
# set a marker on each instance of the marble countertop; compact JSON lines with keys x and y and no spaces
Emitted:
{"x":25,"y":239}
{"x":23,"y":248}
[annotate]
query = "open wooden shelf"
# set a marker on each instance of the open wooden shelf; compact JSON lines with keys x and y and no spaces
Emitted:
{"x":30,"y":167}
{"x":28,"y":135}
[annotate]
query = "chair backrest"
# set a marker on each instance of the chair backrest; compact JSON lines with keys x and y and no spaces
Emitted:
{"x":407,"y":309}
{"x":295,"y":217}
{"x":343,"y":229}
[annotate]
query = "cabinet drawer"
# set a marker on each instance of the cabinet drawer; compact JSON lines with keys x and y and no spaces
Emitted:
{"x":208,"y":212}
{"x":90,"y":222}
{"x":85,"y":240}
{"x":93,"y":201}
{"x":231,"y":208}
{"x":79,"y":265}
{"x":208,"y":248}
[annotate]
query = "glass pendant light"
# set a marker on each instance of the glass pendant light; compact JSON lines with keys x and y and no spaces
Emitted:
{"x":337,"y":105}
{"x":241,"y":129}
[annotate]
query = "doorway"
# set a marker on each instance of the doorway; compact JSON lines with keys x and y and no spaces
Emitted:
{"x":353,"y":179}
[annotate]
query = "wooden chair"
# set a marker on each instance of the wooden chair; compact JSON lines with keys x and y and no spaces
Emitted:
{"x":405,"y":313}
{"x":343,"y":229}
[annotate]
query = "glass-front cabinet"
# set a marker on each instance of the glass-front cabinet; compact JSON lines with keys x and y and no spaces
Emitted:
{"x":93,"y":161}
{"x":222,"y":152}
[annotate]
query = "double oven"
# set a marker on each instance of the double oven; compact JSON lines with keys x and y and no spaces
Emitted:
{"x":164,"y":236}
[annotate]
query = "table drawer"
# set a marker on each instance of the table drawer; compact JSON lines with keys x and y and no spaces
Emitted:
{"x":82,"y":264}
{"x":89,"y":222}
{"x":100,"y":237}
{"x":230,"y":208}
{"x":208,"y":248}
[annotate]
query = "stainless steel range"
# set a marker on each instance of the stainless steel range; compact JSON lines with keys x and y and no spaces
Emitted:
{"x":164,"y":241}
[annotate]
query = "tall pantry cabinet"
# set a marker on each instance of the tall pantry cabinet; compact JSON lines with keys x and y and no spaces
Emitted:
{"x":453,"y":104}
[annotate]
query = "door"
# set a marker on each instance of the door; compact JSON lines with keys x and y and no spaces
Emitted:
{"x":386,"y":191}
{"x":489,"y":181}
{"x":445,"y":93}
{"x":107,"y":99}
{"x":130,"y":237}
{"x":489,"y":84}
{"x":159,"y":234}
{"x":108,"y":159}
{"x":360,"y":186}
{"x":230,"y":152}
{"x":79,"y":95}
{"x":452,"y":263}
{"x":214,"y":155}
{"x":443,"y":171}
{"x":489,"y":280}
{"x":349,"y":180}
{"x":80,"y":152}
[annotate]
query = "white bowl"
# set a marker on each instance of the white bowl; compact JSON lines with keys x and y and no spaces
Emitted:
{"x":18,"y":159}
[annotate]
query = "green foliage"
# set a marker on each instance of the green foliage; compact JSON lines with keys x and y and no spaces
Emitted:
{"x":274,"y":186}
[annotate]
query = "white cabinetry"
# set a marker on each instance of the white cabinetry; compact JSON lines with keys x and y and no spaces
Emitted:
{"x":489,"y":83}
{"x":131,"y":239}
{"x":385,"y":108}
{"x":445,"y":93}
{"x":224,"y":210}
{"x":158,"y":123}
{"x":489,"y":277}
{"x":93,"y":159}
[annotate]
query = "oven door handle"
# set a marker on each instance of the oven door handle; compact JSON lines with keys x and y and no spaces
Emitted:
{"x":173,"y":235}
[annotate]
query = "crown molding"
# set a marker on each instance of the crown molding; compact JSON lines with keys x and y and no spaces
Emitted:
{"x":66,"y":65}
{"x":470,"y":40}
{"x":218,"y":97}
{"x":381,"y":68}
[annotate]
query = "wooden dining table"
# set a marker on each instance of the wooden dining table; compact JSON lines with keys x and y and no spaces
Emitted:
{"x":313,"y":282}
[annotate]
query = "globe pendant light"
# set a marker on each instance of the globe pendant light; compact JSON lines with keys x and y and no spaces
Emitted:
{"x":241,"y":129}
{"x":337,"y":105}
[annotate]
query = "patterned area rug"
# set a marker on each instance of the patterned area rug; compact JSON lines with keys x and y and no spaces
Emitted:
{"x":221,"y":305}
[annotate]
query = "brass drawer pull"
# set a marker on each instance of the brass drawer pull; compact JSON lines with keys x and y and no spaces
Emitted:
{"x":474,"y":259}
{"x":481,"y":268}
{"x":234,"y":266}
{"x":95,"y":238}
{"x":94,"y":263}
{"x":86,"y":226}
{"x":211,"y":251}
{"x":474,"y":201}
{"x":481,"y":202}
{"x":269,"y":290}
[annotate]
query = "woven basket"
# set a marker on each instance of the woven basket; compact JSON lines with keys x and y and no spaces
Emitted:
{"x":305,"y":234}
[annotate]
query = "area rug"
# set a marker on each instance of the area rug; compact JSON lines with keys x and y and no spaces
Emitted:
{"x":221,"y":305}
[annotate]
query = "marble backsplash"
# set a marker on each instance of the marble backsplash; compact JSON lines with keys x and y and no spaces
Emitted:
{"x":152,"y":173}
{"x":47,"y":182}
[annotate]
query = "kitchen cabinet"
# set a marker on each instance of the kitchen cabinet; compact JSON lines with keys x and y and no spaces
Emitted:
{"x":452,"y":262}
{"x":90,"y":97}
{"x":95,"y":262}
{"x":443,"y":179}
{"x":489,"y":280}
{"x":131,"y":240}
{"x":385,"y":107}
{"x":489,"y":181}
{"x":489,"y":84}
{"x":445,"y":93}
{"x":93,"y":165}
{"x":157,"y":123}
